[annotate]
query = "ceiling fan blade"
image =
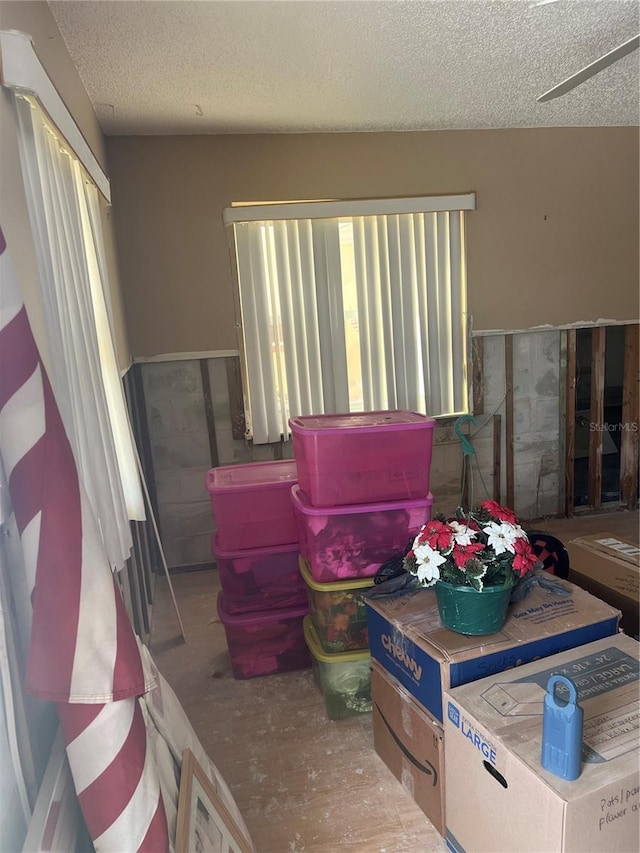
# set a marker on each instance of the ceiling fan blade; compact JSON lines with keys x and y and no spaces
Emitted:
{"x":589,"y":70}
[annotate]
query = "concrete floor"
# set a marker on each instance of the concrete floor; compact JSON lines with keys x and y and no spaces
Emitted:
{"x":304,"y":784}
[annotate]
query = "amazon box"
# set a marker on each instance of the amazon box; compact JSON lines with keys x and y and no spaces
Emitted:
{"x":408,"y":639}
{"x":493,"y":731}
{"x":609,"y":567}
{"x":410,"y":742}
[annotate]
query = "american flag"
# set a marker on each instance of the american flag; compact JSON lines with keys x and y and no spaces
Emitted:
{"x":83,"y":652}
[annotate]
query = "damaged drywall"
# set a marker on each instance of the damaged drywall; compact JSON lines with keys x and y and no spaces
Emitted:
{"x":181,"y":445}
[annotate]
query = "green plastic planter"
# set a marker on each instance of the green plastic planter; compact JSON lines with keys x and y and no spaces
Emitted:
{"x":467,"y":611}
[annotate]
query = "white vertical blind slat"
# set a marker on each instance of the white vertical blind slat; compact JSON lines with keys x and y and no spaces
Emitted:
{"x":326,"y":247}
{"x":338,"y":337}
{"x":118,"y":416}
{"x":458,"y":309}
{"x":386,"y":260}
{"x":431,"y":356}
{"x":398,"y":355}
{"x":409,"y":317}
{"x":377,"y":390}
{"x":309,"y":328}
{"x":364,"y":312}
{"x":276,"y":294}
{"x":286,"y":271}
{"x":259,"y":374}
{"x":444,"y":311}
{"x":36,"y":180}
{"x":423,"y":375}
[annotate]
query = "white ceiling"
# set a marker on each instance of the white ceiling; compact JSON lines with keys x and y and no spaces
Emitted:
{"x":265,"y":66}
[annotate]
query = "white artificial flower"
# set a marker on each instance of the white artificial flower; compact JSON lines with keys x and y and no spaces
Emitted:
{"x":428,"y":561}
{"x":462,"y":533}
{"x":501,"y":536}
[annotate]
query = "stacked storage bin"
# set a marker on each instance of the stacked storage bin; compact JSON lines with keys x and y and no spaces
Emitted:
{"x":362,"y":495}
{"x":263,"y":599}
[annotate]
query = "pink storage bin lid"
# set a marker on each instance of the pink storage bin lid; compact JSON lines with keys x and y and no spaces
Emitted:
{"x":259,"y":617}
{"x":361,"y":421}
{"x":250,"y":552}
{"x":297,"y":496}
{"x":252,"y":475}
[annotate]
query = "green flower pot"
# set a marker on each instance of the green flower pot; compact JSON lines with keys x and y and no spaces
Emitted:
{"x":467,"y":611}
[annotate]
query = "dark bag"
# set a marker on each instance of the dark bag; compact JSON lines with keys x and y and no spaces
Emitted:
{"x":551,"y":552}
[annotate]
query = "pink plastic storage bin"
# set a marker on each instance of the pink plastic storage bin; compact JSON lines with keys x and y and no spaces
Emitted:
{"x":266,"y":642}
{"x":354,"y":541}
{"x":251,"y":504}
{"x":260,"y":578}
{"x":362,"y":457}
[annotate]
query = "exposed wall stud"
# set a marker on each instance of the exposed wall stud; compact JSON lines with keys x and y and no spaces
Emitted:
{"x":596,"y":415}
{"x":497,"y":444}
{"x":570,"y":425}
{"x":508,"y":405}
{"x":477,"y":345}
{"x":208,"y":409}
{"x":630,"y":418}
{"x":236,"y":399}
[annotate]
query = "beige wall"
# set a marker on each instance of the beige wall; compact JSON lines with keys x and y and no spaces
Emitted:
{"x":35,"y":19}
{"x":554,"y":239}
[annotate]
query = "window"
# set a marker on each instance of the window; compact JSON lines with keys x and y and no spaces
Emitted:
{"x":351,"y":306}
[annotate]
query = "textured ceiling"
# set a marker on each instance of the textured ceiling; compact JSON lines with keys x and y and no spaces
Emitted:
{"x":230,"y":66}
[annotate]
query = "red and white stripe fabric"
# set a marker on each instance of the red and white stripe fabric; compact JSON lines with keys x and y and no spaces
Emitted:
{"x":115,"y":776}
{"x":83,"y":652}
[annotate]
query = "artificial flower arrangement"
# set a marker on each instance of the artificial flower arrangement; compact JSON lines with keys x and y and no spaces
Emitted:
{"x":480,"y":548}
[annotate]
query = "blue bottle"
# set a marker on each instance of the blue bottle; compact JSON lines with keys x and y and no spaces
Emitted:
{"x":562,"y":730}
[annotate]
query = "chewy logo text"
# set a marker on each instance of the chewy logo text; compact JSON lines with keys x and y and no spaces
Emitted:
{"x":399,"y":653}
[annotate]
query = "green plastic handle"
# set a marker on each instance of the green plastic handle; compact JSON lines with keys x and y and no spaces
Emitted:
{"x":467,"y":447}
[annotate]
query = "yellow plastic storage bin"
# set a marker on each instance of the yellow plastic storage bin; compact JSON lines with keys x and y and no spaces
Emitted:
{"x":338,"y":612}
{"x":344,"y":678}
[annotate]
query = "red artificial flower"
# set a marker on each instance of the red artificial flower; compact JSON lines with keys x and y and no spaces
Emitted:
{"x":525,"y":558}
{"x":462,"y":553}
{"x":437,"y":535}
{"x":502,"y":513}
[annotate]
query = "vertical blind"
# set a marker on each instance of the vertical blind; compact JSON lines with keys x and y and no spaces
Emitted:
{"x":65,"y":219}
{"x":351,"y":313}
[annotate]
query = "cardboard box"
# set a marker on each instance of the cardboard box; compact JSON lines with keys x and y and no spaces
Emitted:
{"x":501,"y":800}
{"x":407,"y":638}
{"x":410,"y":742}
{"x":609,"y":567}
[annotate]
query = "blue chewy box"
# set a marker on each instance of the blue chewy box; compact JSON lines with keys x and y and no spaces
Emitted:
{"x":407,"y":638}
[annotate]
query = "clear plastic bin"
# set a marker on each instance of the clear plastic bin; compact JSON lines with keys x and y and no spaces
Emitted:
{"x":344,"y":678}
{"x":338,"y":613}
{"x":251,"y":504}
{"x":363,"y":457}
{"x":265,"y":642}
{"x":346,"y":542}
{"x":260,"y":578}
